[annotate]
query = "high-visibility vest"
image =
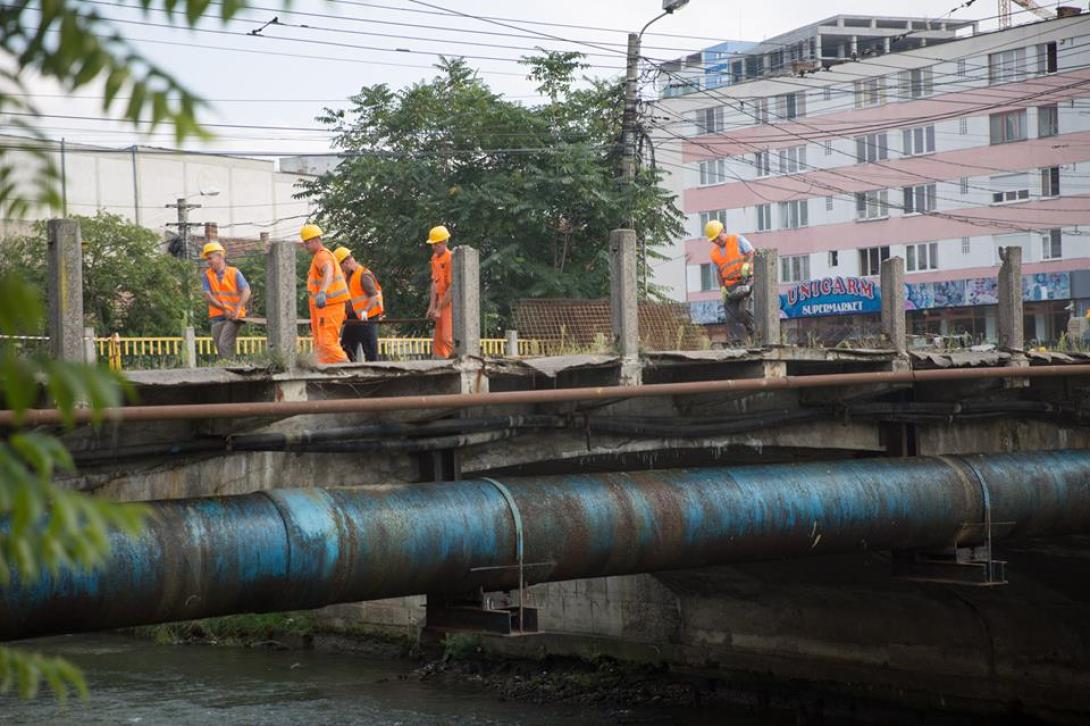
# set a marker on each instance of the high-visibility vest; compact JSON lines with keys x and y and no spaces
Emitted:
{"x":729,"y":260}
{"x":441,"y":274}
{"x":337,"y":292}
{"x":360,"y":298}
{"x":225,"y":291}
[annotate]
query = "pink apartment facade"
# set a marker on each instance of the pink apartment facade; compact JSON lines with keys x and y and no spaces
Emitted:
{"x":939,"y":155}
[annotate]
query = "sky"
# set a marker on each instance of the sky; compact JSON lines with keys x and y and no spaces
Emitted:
{"x":322,"y":51}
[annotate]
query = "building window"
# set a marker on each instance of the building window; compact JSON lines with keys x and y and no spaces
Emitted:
{"x":1009,"y":188}
{"x":791,"y":105}
{"x":828,"y":144}
{"x":1007,"y":66}
{"x":713,"y":171}
{"x":962,"y":73}
{"x":827,"y":93}
{"x":708,"y":277}
{"x":764,"y":217}
{"x":828,"y":204}
{"x":834,"y":258}
{"x":1050,"y":182}
{"x":966,"y":247}
{"x":793,"y":160}
{"x":709,"y":120}
{"x":870,"y":260}
{"x":870,"y":92}
{"x":762,"y":163}
{"x":920,"y":140}
{"x":795,"y":268}
{"x":1052,"y":245}
{"x":871,"y":147}
{"x":915,"y":83}
{"x":1048,"y":121}
{"x":719,"y":215}
{"x":794,"y":214}
{"x":1007,"y":127}
{"x":872,"y":204}
{"x":924,"y":256}
{"x":760,"y":110}
{"x":963,"y":185}
{"x":963,"y":125}
{"x":919,"y":199}
{"x":1046,"y":57}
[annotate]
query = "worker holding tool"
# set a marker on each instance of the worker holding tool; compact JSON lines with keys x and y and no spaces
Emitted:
{"x":326,"y":294}
{"x":440,"y":309}
{"x":227,"y":292}
{"x":733,"y":257}
{"x":364,"y":307}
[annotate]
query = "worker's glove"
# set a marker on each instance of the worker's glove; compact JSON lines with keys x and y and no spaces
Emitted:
{"x":319,"y":300}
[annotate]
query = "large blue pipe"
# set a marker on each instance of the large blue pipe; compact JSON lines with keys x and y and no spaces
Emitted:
{"x":302,"y":548}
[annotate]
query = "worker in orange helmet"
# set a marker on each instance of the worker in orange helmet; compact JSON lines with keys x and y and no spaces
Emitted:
{"x":440,"y":309}
{"x":732,"y":256}
{"x":327,"y":293}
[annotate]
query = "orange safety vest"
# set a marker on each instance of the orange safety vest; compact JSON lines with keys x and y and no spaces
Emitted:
{"x":225,"y":291}
{"x":338,"y":290}
{"x":360,"y":298}
{"x":441,"y":274}
{"x":729,"y":259}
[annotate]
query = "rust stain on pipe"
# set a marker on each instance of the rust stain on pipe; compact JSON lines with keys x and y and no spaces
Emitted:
{"x":280,"y":409}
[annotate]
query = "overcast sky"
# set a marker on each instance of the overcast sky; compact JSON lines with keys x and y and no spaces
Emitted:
{"x":263,"y":81}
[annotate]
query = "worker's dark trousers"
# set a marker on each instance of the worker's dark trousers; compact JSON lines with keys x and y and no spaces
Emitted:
{"x":356,"y":335}
{"x":739,"y":319}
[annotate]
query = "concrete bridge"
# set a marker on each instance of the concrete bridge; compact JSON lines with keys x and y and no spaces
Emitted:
{"x":961,"y":461}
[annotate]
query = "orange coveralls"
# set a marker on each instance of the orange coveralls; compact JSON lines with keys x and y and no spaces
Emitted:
{"x":325,"y":323}
{"x":442,"y":344}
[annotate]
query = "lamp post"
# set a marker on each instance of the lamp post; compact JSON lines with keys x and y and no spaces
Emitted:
{"x":628,"y":123}
{"x":183,"y":224}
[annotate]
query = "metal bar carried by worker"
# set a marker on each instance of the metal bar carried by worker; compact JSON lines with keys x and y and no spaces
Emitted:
{"x":294,"y":549}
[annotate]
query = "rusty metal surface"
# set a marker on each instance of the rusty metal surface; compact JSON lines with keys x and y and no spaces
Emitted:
{"x":301,"y":548}
{"x":472,"y":400}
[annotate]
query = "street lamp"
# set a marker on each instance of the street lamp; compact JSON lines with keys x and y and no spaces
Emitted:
{"x":628,"y":124}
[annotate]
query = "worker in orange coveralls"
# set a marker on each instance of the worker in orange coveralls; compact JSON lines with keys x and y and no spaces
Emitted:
{"x":327,"y":293}
{"x":439,"y":308}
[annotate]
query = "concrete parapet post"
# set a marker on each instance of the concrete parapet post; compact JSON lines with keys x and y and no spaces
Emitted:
{"x":892,"y":284}
{"x":466,"y":292}
{"x":624,"y":304}
{"x":280,"y":299}
{"x":65,"y":290}
{"x":90,"y":355}
{"x":766,"y":298}
{"x":1009,"y":316}
{"x":512,"y":346}
{"x":189,"y":347}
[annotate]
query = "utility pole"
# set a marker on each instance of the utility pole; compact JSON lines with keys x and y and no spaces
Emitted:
{"x":183,"y":224}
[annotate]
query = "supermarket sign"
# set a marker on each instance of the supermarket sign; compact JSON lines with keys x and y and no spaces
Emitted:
{"x":831,"y":296}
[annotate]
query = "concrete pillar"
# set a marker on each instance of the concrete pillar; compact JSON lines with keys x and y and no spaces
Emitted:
{"x":1011,"y":337}
{"x":90,"y":355}
{"x":623,"y":303}
{"x":212,"y":232}
{"x":65,"y":289}
{"x":512,"y":343}
{"x":854,"y":47}
{"x":766,"y":298}
{"x":892,"y":284}
{"x":280,"y":299}
{"x":466,"y":298}
{"x":189,"y":347}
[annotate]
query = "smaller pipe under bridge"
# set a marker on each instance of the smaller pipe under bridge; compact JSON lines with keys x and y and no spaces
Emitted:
{"x":291,"y":549}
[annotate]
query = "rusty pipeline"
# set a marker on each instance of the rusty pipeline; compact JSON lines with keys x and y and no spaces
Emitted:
{"x":290,"y":549}
{"x":280,"y":409}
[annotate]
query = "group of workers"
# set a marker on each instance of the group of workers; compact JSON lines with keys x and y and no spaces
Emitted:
{"x":344,"y":298}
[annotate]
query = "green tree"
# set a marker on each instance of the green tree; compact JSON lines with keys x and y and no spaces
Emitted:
{"x":533,"y":188}
{"x":129,"y":285}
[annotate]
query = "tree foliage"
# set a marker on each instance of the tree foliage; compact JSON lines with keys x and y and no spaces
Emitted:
{"x":129,"y":285}
{"x":534,"y":189}
{"x":44,"y":527}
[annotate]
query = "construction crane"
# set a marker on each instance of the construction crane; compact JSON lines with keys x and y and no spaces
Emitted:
{"x":1030,"y":5}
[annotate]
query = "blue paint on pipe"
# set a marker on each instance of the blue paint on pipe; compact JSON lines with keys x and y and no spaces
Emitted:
{"x":302,"y":548}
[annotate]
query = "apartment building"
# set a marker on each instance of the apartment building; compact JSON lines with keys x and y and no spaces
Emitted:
{"x":856,"y":151}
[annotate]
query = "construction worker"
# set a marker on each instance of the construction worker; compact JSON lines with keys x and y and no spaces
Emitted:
{"x":439,"y":306}
{"x":227,"y":292}
{"x":326,"y":292}
{"x":364,"y":306}
{"x":733,"y":257}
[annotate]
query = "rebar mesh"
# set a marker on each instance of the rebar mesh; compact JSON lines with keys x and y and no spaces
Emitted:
{"x":584,"y":326}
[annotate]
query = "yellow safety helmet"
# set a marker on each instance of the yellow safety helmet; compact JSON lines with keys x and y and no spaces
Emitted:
{"x":212,"y":247}
{"x":341,"y":254}
{"x":309,"y":232}
{"x":438,"y":234}
{"x":713,"y":229}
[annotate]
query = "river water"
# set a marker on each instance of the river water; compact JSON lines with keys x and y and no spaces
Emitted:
{"x":139,"y":682}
